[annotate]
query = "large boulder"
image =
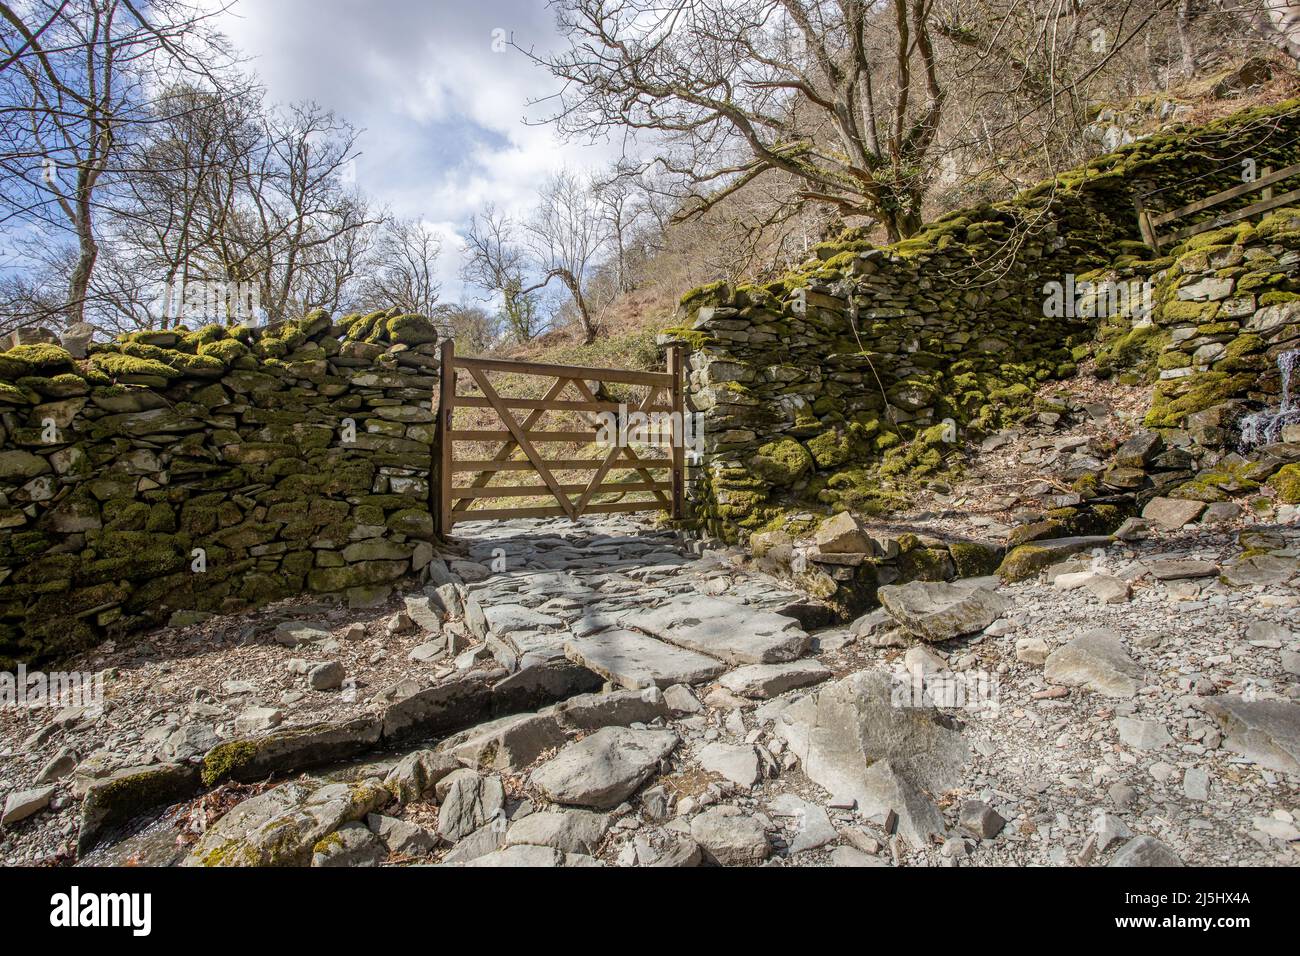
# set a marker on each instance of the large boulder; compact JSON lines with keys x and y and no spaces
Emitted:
{"x":282,"y":826}
{"x":843,"y":534}
{"x":938,"y":611}
{"x":1265,"y":731}
{"x":841,"y":733}
{"x":605,"y":768}
{"x":1097,"y":661}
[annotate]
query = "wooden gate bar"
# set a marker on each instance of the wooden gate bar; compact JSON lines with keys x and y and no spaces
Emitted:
{"x":521,"y":439}
{"x":457,"y":503}
{"x":1149,"y":223}
{"x":627,"y":452}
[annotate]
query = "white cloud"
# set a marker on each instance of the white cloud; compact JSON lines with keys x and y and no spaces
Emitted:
{"x":442,"y":114}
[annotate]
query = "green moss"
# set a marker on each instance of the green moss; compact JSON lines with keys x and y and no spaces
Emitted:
{"x":782,"y":462}
{"x":714,"y":293}
{"x":133,"y":369}
{"x":224,"y":760}
{"x":1286,"y":483}
{"x":223,"y":350}
{"x":972,"y":559}
{"x":41,"y":356}
{"x":1170,"y":409}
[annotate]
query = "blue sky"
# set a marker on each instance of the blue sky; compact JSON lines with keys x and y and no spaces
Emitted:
{"x":442,"y":113}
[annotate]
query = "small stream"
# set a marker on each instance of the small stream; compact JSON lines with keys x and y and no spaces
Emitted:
{"x":1265,"y":427}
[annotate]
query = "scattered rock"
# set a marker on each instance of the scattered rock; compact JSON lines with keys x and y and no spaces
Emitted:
{"x":1142,"y":734}
{"x":730,"y":837}
{"x":22,"y":804}
{"x":762,"y":681}
{"x":739,"y":764}
{"x":1170,"y":514}
{"x":1095,"y":660}
{"x":938,"y":611}
{"x":980,"y":820}
{"x":605,"y":768}
{"x":1145,"y":851}
{"x":326,"y":676}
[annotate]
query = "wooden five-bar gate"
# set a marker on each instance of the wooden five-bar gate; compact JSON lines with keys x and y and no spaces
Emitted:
{"x":1152,"y":223}
{"x":518,"y":438}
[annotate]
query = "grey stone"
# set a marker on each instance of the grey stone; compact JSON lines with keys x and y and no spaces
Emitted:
{"x":843,"y":534}
{"x":469,"y":801}
{"x":326,"y":676}
{"x":738,"y":764}
{"x":1145,"y":851}
{"x":730,"y":837}
{"x":761,"y":681}
{"x":570,"y":831}
{"x":849,"y":856}
{"x":509,"y":618}
{"x":22,"y":804}
{"x":509,"y":743}
{"x":885,"y":793}
{"x":980,"y":820}
{"x":1176,"y":569}
{"x":417,"y":773}
{"x":282,"y":826}
{"x":635,"y":661}
{"x":1096,"y":660}
{"x":938,"y":611}
{"x":1261,"y":569}
{"x":254,"y":719}
{"x":350,"y":845}
{"x":1142,"y":734}
{"x":605,"y":768}
{"x":865,"y":719}
{"x":735,"y":633}
{"x":656,"y":847}
{"x":523,"y":855}
{"x":293,"y":633}
{"x":1171,"y":514}
{"x":401,"y":836}
{"x":1264,"y":731}
{"x":682,"y":700}
{"x":1196,"y":783}
{"x":615,"y":709}
{"x":812,"y":825}
{"x":1109,"y":829}
{"x":58,"y":766}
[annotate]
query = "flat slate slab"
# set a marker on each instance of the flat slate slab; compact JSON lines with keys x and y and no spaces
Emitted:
{"x":635,"y":661}
{"x":734,"y":633}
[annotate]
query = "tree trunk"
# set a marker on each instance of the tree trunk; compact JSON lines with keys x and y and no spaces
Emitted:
{"x":79,"y":284}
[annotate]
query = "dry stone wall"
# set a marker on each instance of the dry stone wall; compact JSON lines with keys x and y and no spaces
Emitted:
{"x":843,"y":383}
{"x":169,"y":475}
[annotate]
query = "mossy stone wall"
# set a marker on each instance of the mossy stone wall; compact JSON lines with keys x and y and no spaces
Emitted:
{"x":851,"y":376}
{"x":168,"y":475}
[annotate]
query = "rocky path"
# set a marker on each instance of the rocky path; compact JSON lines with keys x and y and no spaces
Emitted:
{"x":1132,"y":705}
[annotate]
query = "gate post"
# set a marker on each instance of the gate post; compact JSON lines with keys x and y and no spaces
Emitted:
{"x":676,"y":368}
{"x":446,"y":408}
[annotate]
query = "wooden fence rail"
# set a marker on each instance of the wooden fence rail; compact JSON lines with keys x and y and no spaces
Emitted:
{"x":517,"y":437}
{"x":1151,"y":223}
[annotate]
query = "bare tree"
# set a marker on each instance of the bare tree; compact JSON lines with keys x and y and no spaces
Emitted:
{"x":403,"y":264}
{"x":565,"y":235}
{"x":75,"y":85}
{"x":1278,"y":22}
{"x":746,"y":88}
{"x":295,"y":209}
{"x":495,"y":262}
